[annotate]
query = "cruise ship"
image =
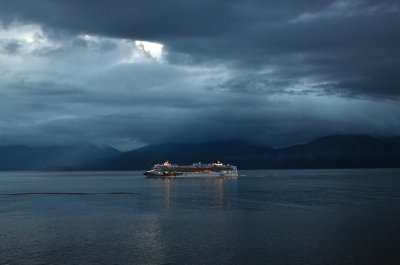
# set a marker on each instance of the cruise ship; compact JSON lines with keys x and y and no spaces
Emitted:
{"x":196,"y":170}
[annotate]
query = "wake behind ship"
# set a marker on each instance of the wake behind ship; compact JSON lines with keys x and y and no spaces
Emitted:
{"x":196,"y":170}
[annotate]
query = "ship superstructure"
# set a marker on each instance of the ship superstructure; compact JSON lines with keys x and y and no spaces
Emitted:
{"x":196,"y":170}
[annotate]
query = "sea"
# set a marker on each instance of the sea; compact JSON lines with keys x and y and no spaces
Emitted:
{"x":262,"y":217}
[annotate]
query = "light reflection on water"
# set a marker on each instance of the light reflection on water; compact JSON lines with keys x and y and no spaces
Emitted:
{"x":214,"y":187}
{"x":266,"y":217}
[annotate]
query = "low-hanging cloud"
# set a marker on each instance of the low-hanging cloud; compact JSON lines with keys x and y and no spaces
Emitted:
{"x":274,"y":72}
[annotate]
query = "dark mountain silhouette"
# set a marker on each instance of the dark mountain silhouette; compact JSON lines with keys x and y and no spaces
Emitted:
{"x":187,"y":153}
{"x":341,"y":151}
{"x":18,"y":157}
{"x":337,"y":151}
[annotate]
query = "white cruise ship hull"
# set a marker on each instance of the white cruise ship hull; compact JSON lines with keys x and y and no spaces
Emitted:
{"x":196,"y":170}
{"x":197,"y":175}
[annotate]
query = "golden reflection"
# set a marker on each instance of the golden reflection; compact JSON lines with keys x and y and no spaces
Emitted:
{"x":219,"y":193}
{"x":214,"y":189}
{"x":167,"y":192}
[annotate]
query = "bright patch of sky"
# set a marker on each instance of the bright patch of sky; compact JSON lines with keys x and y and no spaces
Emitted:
{"x":152,"y":49}
{"x":26,"y":37}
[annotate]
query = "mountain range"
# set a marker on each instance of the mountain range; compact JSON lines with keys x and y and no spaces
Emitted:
{"x":68,"y":157}
{"x":337,"y":151}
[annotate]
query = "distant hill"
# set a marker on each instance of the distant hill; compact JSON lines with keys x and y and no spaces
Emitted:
{"x":18,"y":157}
{"x":337,"y":151}
{"x":341,"y":151}
{"x":187,"y":153}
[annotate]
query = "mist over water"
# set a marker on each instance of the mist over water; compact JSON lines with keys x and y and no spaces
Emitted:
{"x":263,"y":217}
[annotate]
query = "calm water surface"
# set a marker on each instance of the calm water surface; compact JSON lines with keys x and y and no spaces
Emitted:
{"x":264,"y":217}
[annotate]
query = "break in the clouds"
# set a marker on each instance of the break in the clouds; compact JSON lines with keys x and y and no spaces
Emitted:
{"x":129,"y":73}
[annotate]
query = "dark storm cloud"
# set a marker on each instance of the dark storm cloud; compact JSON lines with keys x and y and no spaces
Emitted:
{"x":333,"y":41}
{"x":274,"y":71}
{"x":10,"y":47}
{"x":150,"y":19}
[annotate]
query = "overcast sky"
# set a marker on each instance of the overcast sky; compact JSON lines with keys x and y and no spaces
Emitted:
{"x":129,"y":73}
